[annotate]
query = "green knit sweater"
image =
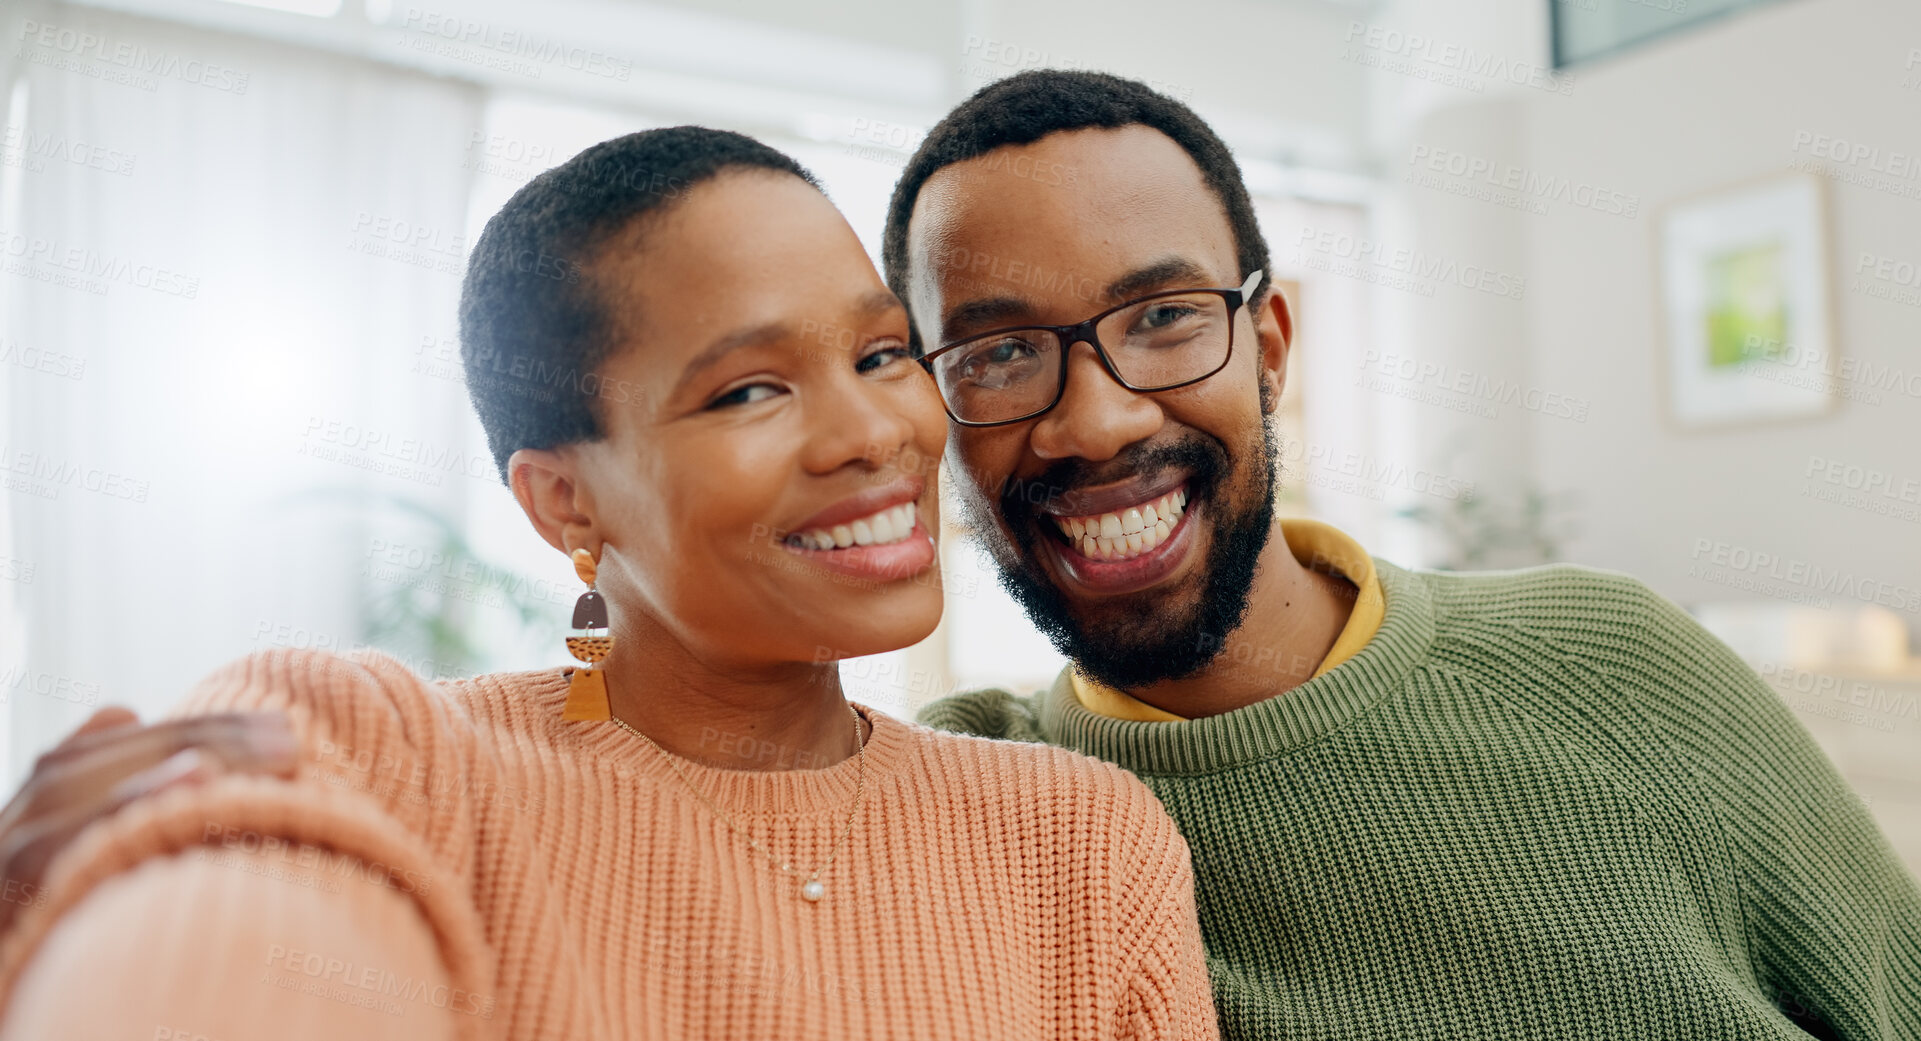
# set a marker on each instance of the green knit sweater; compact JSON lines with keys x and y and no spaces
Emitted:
{"x":1539,"y":804}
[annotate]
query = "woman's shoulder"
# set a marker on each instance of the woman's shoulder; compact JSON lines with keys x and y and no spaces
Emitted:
{"x":1066,"y":815}
{"x":367,"y":722}
{"x":375,"y":689}
{"x":364,"y":690}
{"x":1037,"y":777}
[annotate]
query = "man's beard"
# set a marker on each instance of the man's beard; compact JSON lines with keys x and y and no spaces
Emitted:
{"x":1159,"y":642}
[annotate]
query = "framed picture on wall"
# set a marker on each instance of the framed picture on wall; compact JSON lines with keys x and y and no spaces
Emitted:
{"x":1745,"y":306}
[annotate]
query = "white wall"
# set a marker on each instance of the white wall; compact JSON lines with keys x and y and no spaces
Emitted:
{"x":1706,"y":108}
{"x":1712,"y":107}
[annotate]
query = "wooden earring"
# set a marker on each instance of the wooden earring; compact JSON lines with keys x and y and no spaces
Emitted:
{"x":592,"y":639}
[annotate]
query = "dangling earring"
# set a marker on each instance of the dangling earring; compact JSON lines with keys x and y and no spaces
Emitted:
{"x":592,"y":639}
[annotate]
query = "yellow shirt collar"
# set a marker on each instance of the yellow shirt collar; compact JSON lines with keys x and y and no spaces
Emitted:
{"x":1319,"y":546}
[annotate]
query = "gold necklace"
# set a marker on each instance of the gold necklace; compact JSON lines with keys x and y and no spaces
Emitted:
{"x":811,"y":887}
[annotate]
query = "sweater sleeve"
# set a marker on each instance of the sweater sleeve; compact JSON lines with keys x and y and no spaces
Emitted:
{"x":1166,"y":994}
{"x":271,"y":958}
{"x":1833,"y":917}
{"x":377,"y":804}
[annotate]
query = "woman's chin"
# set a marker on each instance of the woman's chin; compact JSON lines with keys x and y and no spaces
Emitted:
{"x":875,"y":624}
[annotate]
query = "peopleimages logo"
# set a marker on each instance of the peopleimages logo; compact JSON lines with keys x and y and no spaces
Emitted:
{"x":41,"y":40}
{"x":94,"y":271}
{"x":1479,"y":387}
{"x":513,"y":43}
{"x":30,"y":151}
{"x":1369,"y":476}
{"x":1858,"y":154}
{"x":1361,"y":258}
{"x":383,"y":451}
{"x":985,"y":58}
{"x":1454,"y":58}
{"x":1527,"y":186}
{"x":1855,"y":379}
{"x":1740,"y":567}
{"x":363,"y":985}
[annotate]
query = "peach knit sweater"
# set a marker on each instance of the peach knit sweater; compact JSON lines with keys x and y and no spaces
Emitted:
{"x":455,"y":861}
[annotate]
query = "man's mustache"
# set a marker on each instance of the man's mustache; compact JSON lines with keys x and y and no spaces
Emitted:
{"x":1205,"y":461}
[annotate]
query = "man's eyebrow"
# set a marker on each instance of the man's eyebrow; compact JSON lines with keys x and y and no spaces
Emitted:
{"x":984,"y":311}
{"x":870,"y":305}
{"x":1008,"y":310}
{"x":1161,"y":274}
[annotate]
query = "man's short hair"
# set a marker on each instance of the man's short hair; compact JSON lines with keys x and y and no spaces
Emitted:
{"x":534,"y":322}
{"x":1028,"y":106}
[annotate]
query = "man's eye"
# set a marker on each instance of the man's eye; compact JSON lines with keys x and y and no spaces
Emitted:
{"x":1161,"y":316}
{"x":999,"y":352}
{"x":744,"y":395}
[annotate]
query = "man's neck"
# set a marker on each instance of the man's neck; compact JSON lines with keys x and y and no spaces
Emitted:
{"x":1294,"y":615}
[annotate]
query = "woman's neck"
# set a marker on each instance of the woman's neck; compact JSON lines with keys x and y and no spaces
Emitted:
{"x":787,"y":716}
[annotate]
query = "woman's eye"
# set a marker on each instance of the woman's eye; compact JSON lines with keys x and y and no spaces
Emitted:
{"x":883,"y":357}
{"x":745,"y":395}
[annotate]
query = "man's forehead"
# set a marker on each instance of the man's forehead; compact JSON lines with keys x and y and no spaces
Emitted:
{"x":997,"y":226}
{"x":1087,"y":175}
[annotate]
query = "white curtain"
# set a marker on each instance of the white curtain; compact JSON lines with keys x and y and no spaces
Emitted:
{"x":231,"y":270}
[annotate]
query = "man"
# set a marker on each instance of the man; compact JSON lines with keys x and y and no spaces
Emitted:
{"x":1527,"y":804}
{"x":1537,"y":804}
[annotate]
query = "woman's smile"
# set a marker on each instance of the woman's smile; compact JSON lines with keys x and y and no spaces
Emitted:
{"x":875,"y":534}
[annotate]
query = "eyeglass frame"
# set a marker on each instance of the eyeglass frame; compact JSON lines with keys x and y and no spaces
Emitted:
{"x":1083,"y":332}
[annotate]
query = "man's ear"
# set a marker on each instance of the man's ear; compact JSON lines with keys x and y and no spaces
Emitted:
{"x":547,"y":485}
{"x":1274,"y":328}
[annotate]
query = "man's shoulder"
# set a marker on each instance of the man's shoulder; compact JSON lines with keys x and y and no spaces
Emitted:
{"x":990,"y":712}
{"x":1569,"y":609}
{"x":1550,"y":590}
{"x":1568,"y":629}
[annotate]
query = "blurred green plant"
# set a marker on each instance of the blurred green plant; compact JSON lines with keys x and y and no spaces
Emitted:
{"x":428,"y":618}
{"x":431,"y":618}
{"x":1479,"y":531}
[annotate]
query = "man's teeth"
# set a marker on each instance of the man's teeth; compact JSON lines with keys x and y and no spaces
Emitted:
{"x":888,"y":526}
{"x":1126,"y":533}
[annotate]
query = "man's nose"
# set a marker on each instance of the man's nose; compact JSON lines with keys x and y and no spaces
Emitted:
{"x":1096,"y":416}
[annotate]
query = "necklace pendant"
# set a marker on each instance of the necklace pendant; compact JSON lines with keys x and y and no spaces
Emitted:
{"x":812,"y":890}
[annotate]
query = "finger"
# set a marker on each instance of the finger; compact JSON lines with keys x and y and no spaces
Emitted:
{"x":169,"y":736}
{"x":187,"y":766}
{"x":113,"y":717}
{"x":24,"y":854}
{"x":255,"y":742}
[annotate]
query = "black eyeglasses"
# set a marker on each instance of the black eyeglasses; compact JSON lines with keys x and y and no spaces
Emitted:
{"x":1158,"y":342}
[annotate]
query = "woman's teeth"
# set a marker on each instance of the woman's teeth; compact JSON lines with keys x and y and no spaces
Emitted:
{"x":1126,"y":533}
{"x":888,"y":526}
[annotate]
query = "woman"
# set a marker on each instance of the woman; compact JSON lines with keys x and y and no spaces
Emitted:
{"x":701,"y":392}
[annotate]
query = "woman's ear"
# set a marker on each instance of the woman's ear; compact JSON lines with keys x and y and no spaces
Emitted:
{"x":546,"y":483}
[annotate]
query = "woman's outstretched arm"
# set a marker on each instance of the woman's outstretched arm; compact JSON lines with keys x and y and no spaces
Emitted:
{"x":228,"y":946}
{"x":177,"y":897}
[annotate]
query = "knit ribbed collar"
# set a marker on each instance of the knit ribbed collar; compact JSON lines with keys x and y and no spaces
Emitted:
{"x":738,"y":792}
{"x":1265,"y":729}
